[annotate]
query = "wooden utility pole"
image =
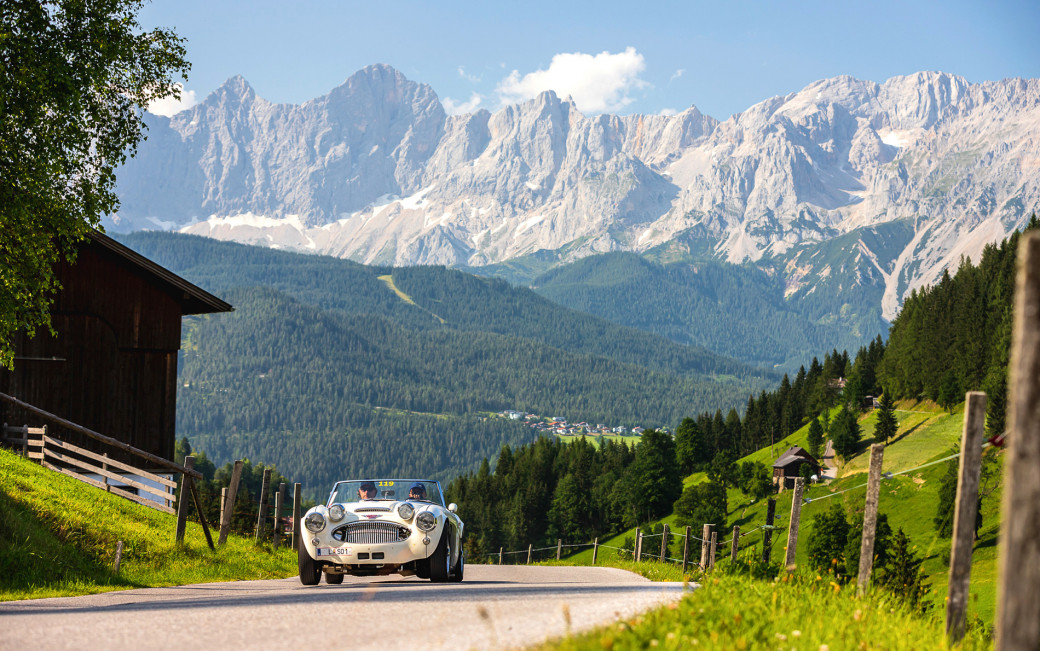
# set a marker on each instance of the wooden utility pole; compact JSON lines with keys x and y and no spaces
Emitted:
{"x":767,"y":538}
{"x":705,"y":542}
{"x":964,"y":514}
{"x":1018,"y":599}
{"x":229,"y":504}
{"x":796,"y":516}
{"x":870,"y":511}
{"x":736,"y":543}
{"x":259,"y":533}
{"x":664,"y":542}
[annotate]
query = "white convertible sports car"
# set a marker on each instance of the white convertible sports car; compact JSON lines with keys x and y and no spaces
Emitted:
{"x":381,"y":526}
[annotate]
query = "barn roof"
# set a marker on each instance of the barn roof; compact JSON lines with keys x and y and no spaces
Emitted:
{"x":793,"y":454}
{"x":192,"y":298}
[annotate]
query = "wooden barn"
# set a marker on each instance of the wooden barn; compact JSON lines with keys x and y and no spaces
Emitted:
{"x":112,"y":367}
{"x":789,"y":466}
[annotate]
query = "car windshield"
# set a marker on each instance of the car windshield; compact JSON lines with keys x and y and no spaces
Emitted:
{"x":414,"y":490}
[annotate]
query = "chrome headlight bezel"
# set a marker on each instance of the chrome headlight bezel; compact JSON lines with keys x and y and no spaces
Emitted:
{"x":426,"y":521}
{"x":314,"y":522}
{"x":406,"y":511}
{"x":337,"y":512}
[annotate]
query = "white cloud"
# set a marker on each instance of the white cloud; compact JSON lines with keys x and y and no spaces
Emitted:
{"x":168,"y":106}
{"x":668,"y":112}
{"x":455,"y":108}
{"x":598,"y":83}
{"x":474,"y":79}
{"x":678,"y":73}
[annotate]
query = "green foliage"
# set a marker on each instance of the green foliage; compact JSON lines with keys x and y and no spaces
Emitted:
{"x":828,"y":540}
{"x":815,"y":440}
{"x":723,"y":470}
{"x":74,"y":80}
{"x":700,"y":504}
{"x":882,"y":542}
{"x":690,"y":446}
{"x":903,"y":576}
{"x":886,"y":426}
{"x":756,"y":479}
{"x":845,"y":433}
{"x":656,"y":481}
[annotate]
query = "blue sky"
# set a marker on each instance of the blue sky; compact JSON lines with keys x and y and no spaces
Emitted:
{"x":615,"y":57}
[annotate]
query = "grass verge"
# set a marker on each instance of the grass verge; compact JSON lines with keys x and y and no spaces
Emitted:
{"x":58,"y":538}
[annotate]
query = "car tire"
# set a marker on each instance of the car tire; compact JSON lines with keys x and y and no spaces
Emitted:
{"x":333,"y":579}
{"x":310,"y":569}
{"x":456,"y":575}
{"x":440,"y":559}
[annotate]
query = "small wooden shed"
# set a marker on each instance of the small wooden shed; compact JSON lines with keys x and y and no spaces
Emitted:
{"x":789,"y":466}
{"x":112,"y":366}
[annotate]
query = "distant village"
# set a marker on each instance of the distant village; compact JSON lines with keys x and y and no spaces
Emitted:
{"x":560,"y":427}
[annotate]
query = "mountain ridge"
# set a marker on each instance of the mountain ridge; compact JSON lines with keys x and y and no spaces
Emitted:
{"x":377,"y":171}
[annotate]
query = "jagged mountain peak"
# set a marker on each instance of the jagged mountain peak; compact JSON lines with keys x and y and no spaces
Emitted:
{"x":376,"y":171}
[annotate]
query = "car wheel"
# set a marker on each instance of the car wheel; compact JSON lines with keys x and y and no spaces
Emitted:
{"x":456,"y":576}
{"x":333,"y":579}
{"x":310,"y":570}
{"x":440,"y":560}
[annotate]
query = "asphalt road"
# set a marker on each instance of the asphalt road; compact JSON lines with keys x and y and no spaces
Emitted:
{"x":496,"y":607}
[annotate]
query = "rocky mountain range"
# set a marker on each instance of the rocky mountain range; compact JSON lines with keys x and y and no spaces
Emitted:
{"x":843,"y":184}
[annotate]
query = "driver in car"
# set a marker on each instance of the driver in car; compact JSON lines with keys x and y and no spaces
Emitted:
{"x":417,"y":492}
{"x":367,"y":491}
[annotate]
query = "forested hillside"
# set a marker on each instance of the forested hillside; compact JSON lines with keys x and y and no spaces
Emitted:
{"x":325,"y":370}
{"x":733,"y":310}
{"x":949,"y":338}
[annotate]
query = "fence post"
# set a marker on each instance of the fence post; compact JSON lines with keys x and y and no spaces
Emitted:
{"x":500,"y":555}
{"x":223,"y":501}
{"x":796,"y":516}
{"x":714,"y":546}
{"x":297,"y":509}
{"x":767,"y":539}
{"x":279,"y":499}
{"x":559,"y":548}
{"x":1018,"y":564}
{"x":664,"y":542}
{"x":736,"y":543}
{"x":182,"y":499}
{"x":705,"y":541}
{"x":104,"y":466}
{"x":595,"y":550}
{"x":229,"y":505}
{"x":197,"y":498}
{"x":119,"y":557}
{"x":259,"y":533}
{"x":686,"y":551}
{"x":638,"y":554}
{"x":529,"y":545}
{"x":964,"y":513}
{"x":870,"y":510}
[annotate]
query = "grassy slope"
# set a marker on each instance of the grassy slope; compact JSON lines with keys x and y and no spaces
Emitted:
{"x":58,"y":538}
{"x":926,"y":433}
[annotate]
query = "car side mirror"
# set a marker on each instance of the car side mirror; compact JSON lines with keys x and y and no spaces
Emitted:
{"x":453,"y":507}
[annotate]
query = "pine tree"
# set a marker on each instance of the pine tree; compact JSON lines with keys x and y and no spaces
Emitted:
{"x":902,"y":575}
{"x":815,"y":440}
{"x":886,"y":425}
{"x":845,"y":433}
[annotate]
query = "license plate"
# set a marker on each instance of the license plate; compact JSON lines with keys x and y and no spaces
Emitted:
{"x":333,"y":551}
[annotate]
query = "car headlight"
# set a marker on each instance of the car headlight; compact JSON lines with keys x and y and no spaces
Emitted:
{"x":314,"y":522}
{"x":336,"y":512}
{"x":406,"y":511}
{"x":426,"y":521}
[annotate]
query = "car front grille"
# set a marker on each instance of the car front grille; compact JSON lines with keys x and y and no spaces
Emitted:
{"x":371,"y":533}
